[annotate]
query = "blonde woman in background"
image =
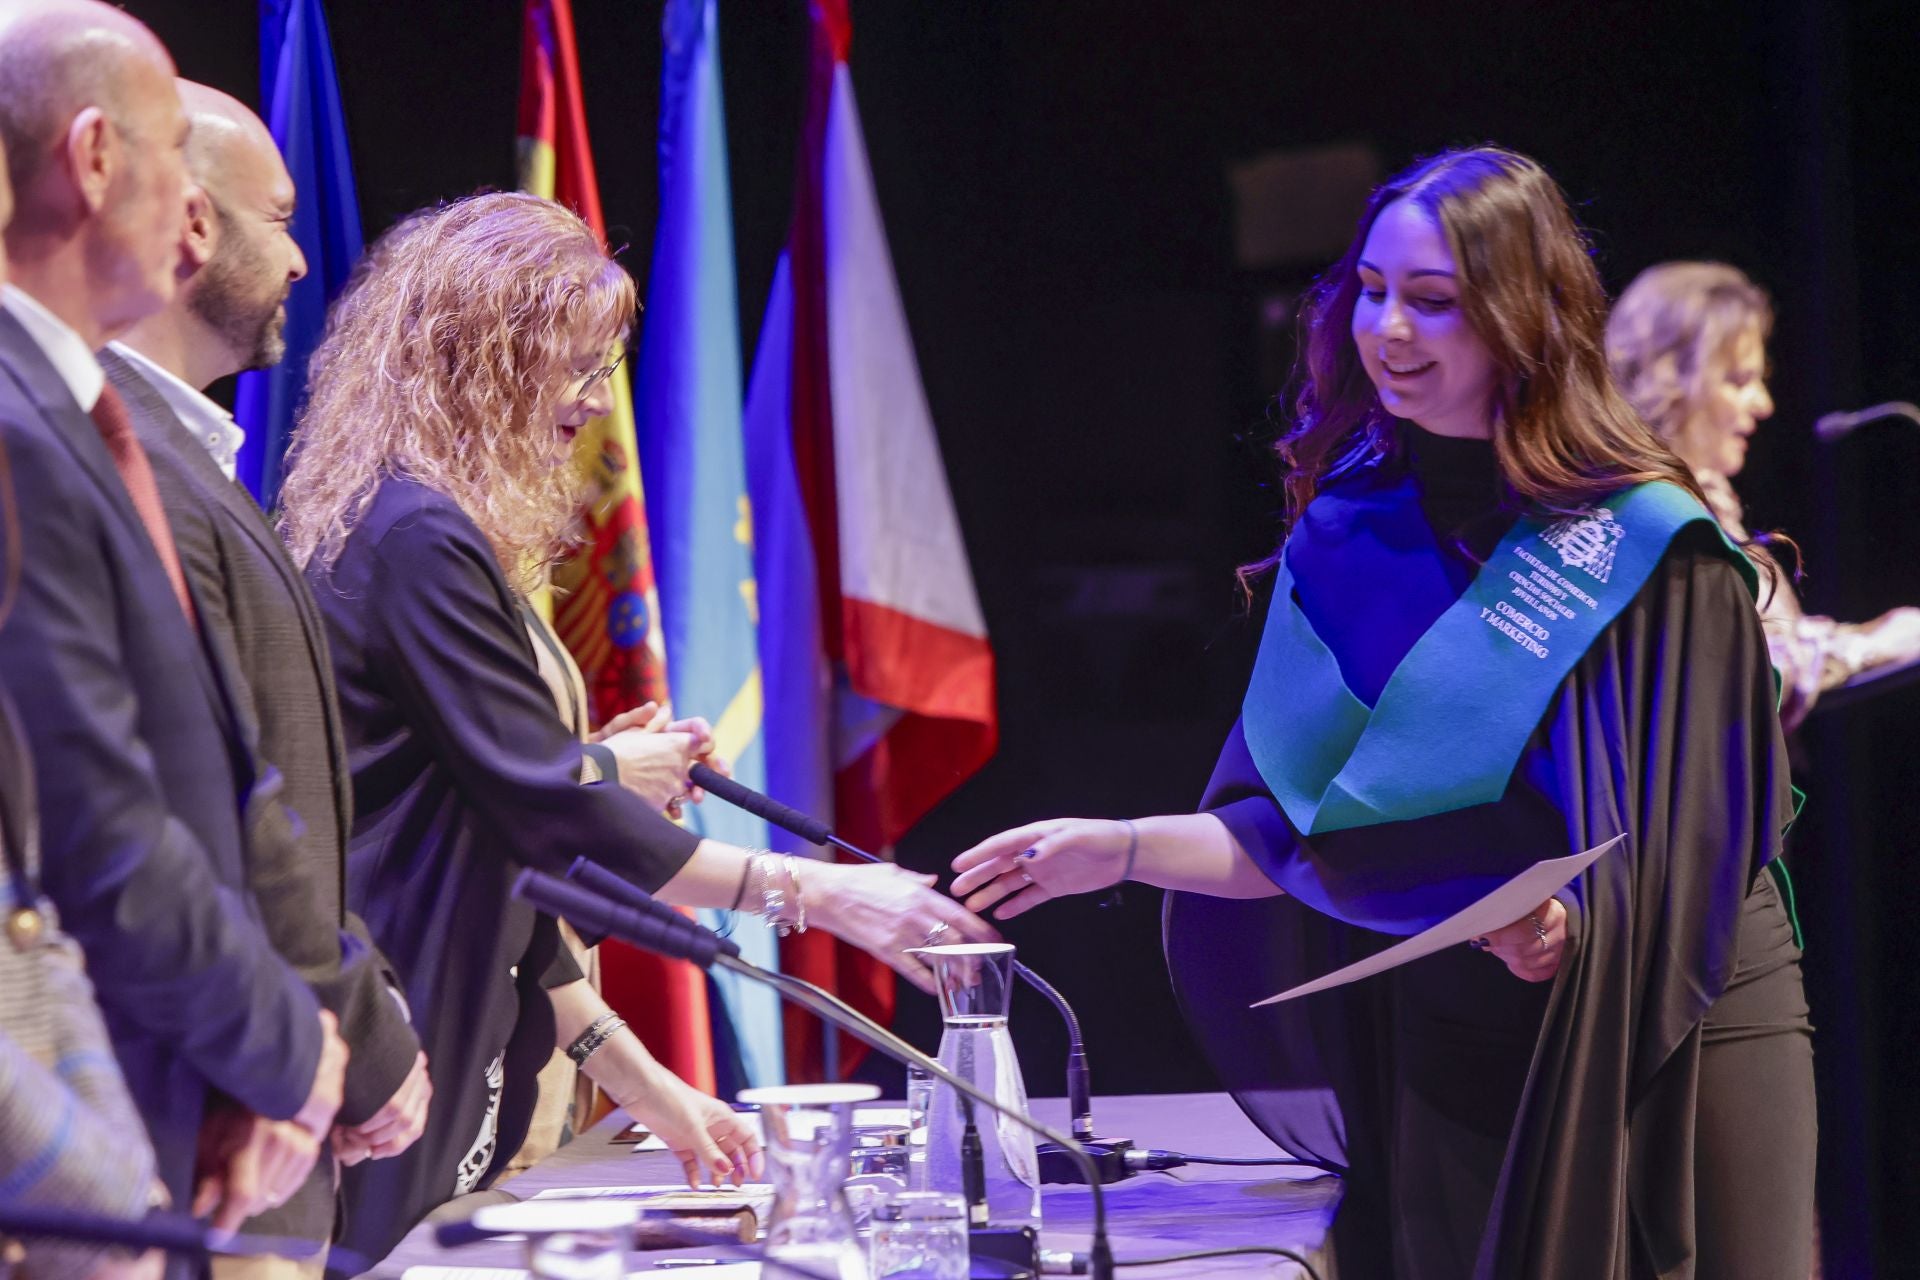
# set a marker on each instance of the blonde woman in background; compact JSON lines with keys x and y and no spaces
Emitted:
{"x":1688,"y":344}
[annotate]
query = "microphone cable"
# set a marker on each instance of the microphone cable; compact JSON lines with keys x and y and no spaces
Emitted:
{"x":1201,"y":1255}
{"x":1153,"y":1160}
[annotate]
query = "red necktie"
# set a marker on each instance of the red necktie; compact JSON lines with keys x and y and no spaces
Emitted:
{"x":130,"y":460}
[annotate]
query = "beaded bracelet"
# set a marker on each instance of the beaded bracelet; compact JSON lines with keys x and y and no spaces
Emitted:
{"x":598,"y":1032}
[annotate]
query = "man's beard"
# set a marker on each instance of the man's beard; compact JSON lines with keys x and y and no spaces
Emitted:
{"x":226,"y":298}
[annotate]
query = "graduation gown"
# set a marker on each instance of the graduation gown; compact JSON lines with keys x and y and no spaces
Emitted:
{"x":1487,"y":1126}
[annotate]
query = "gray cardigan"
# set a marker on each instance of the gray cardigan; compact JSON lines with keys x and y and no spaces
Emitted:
{"x":258,"y":615}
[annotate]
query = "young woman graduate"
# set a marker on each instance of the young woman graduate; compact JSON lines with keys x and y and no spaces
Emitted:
{"x":1503,"y":628}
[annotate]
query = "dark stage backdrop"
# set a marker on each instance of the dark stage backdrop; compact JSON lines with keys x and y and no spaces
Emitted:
{"x":1100,"y":364}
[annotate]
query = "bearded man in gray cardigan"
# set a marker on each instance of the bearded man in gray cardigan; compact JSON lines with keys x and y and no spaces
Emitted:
{"x":238,"y":262}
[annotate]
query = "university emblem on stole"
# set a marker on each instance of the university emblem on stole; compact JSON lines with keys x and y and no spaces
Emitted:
{"x":1587,"y":542}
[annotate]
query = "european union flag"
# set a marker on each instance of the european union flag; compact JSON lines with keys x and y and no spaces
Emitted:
{"x":302,"y":106}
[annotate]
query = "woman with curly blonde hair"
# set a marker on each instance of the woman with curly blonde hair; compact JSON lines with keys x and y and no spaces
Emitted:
{"x":430,"y":485}
{"x":1688,"y":345}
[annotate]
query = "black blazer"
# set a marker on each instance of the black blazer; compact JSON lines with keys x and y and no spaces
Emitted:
{"x":462,"y":774}
{"x":256,"y":610}
{"x":144,"y":785}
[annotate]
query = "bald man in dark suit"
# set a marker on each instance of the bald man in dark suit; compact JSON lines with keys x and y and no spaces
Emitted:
{"x":238,"y":262}
{"x":147,"y":792}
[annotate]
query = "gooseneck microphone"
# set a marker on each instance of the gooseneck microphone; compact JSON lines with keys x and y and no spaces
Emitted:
{"x":1833,"y":426}
{"x":814,"y":831}
{"x":658,"y":927}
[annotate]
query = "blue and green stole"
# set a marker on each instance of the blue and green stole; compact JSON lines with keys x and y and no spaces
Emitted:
{"x":1452,"y":721}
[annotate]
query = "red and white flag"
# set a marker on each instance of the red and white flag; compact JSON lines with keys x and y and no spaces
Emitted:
{"x":895,"y":701}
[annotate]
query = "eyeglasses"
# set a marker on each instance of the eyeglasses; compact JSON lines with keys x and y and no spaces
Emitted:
{"x":584,"y":383}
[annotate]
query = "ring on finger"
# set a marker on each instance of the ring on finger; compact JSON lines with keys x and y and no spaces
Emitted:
{"x":1539,"y":929}
{"x":936,"y":933}
{"x":1026,"y":876}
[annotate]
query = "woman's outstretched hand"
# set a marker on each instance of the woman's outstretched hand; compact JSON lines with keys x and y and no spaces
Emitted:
{"x":1532,"y":947}
{"x":886,"y":911}
{"x":1018,"y":870}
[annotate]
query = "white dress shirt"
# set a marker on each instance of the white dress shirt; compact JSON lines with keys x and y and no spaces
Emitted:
{"x":210,"y":424}
{"x":64,"y":349}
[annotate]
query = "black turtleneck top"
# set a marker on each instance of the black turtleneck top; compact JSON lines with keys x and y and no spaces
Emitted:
{"x":1460,"y":490}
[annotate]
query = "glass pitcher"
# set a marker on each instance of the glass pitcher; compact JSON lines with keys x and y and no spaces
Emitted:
{"x":809,"y":1134}
{"x":975,"y":983}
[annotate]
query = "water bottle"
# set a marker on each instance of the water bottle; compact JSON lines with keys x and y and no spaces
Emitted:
{"x":975,"y":982}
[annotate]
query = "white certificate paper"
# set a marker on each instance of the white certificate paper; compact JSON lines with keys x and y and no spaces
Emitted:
{"x":1511,"y":901}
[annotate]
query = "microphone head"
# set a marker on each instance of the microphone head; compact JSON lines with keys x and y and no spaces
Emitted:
{"x":1831,"y":426}
{"x":657,"y":928}
{"x":607,"y":884}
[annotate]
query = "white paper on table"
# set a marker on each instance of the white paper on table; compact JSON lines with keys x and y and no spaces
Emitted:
{"x":1511,"y":901}
{"x":867,"y":1117}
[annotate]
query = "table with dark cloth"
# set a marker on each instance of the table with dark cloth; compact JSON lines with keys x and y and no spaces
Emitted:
{"x":1149,"y":1215}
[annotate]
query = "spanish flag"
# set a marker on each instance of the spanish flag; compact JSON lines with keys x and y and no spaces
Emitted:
{"x":606,"y":607}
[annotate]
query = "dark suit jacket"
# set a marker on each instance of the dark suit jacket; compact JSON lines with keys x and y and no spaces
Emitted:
{"x":144,"y":784}
{"x":256,"y":609}
{"x":462,"y":774}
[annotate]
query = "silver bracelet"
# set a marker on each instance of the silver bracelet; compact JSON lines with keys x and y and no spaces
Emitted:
{"x":775,"y":880}
{"x":598,"y":1032}
{"x":799,"y":899}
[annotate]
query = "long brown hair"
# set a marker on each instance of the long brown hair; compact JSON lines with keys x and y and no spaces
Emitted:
{"x":1562,"y":433}
{"x":444,"y":362}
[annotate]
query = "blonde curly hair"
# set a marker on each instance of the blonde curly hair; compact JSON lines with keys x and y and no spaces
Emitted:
{"x":1672,"y":334}
{"x":446,"y":361}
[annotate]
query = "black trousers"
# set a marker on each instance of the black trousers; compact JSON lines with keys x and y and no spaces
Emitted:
{"x":1755,"y":1144}
{"x":1459,"y":1044}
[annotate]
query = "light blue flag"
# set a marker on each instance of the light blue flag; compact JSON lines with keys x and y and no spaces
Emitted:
{"x":302,"y":100}
{"x":687,"y":414}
